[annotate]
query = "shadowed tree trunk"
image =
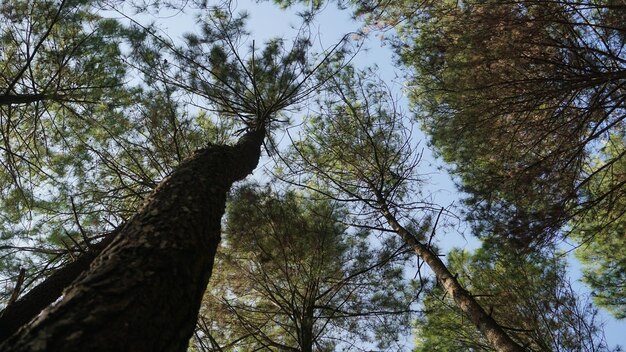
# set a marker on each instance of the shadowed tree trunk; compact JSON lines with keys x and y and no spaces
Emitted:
{"x":306,"y":330}
{"x":143,"y":292}
{"x":15,"y":99}
{"x":26,"y":308}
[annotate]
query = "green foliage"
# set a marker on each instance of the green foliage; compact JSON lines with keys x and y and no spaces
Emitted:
{"x":294,"y":276}
{"x":253,"y":85}
{"x":501,"y":102}
{"x":528,"y":105}
{"x":601,"y":231}
{"x":69,"y":59}
{"x":526,"y":294}
{"x":357,"y":147}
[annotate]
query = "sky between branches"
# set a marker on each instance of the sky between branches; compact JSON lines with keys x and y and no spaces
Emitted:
{"x":267,"y":21}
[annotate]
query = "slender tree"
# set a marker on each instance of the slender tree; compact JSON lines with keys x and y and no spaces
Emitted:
{"x":526,"y":100}
{"x":358,"y":149}
{"x":528,"y":293}
{"x":529,"y":106}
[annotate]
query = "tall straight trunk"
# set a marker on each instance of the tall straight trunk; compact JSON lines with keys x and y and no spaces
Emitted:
{"x":143,"y":292}
{"x":495,"y":335}
{"x":306,"y":332}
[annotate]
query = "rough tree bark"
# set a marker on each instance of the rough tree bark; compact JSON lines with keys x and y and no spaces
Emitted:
{"x":143,"y":292}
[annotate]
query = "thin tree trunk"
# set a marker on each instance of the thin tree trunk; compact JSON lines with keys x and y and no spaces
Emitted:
{"x":15,"y":99}
{"x":143,"y":292}
{"x":490,"y":329}
{"x":32,"y":303}
{"x":306,"y":332}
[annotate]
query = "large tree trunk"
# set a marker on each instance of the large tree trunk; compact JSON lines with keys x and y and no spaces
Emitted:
{"x":491,"y":330}
{"x":143,"y":292}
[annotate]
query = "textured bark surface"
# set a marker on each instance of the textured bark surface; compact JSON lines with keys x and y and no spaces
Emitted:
{"x":31,"y":304}
{"x":143,"y":292}
{"x":493,"y":332}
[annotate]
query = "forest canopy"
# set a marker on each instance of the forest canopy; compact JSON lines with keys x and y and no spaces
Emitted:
{"x":126,"y":223}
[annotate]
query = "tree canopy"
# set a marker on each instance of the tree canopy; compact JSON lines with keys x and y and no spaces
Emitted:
{"x":525,"y":100}
{"x":529,"y":107}
{"x":292,"y":277}
{"x":121,"y":145}
{"x":520,"y":104}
